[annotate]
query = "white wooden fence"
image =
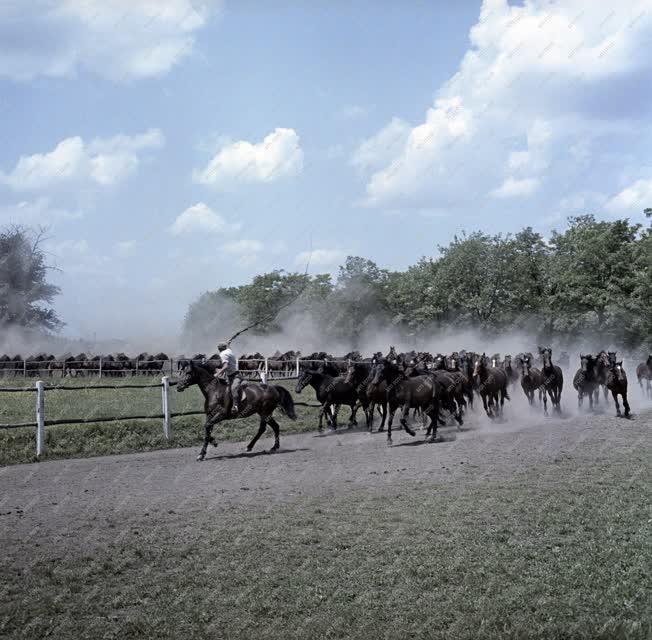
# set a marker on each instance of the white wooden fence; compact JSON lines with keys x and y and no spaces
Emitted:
{"x":41,"y":422}
{"x":265,"y":373}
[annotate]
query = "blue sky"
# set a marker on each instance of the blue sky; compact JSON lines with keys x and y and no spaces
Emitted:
{"x":172,"y":147}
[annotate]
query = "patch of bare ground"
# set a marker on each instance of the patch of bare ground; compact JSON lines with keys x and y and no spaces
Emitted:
{"x":537,"y":530}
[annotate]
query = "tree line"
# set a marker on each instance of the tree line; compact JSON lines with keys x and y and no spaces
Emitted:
{"x":594,"y":278}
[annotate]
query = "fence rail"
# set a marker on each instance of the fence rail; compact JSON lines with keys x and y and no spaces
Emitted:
{"x":103,"y":367}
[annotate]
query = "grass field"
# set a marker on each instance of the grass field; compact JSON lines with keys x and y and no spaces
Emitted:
{"x":530,"y":531}
{"x":124,"y":436}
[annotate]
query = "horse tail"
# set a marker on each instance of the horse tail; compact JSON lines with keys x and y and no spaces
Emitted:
{"x":286,"y":402}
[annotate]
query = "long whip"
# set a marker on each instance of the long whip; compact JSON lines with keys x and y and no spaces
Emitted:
{"x":283,"y":306}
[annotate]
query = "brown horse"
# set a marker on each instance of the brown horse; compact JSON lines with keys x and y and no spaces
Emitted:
{"x":330,"y":390}
{"x":617,"y":382}
{"x":585,"y":381}
{"x":359,"y":375}
{"x":262,"y":399}
{"x":644,"y":372}
{"x":531,"y":380}
{"x":421,"y":391}
{"x":491,"y":384}
{"x":553,"y":379}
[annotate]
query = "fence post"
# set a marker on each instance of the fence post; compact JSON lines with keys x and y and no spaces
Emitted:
{"x":297,"y":366}
{"x":40,"y":418}
{"x":166,"y":406}
{"x":24,"y":368}
{"x":100,"y":369}
{"x":263,"y":376}
{"x":266,"y":368}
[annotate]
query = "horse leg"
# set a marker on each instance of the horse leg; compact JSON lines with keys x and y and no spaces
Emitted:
{"x":277,"y":430}
{"x":334,"y":417}
{"x":324,"y":408}
{"x":484,"y":403}
{"x":433,"y":414}
{"x":261,"y":429}
{"x":370,"y":416}
{"x":392,"y":411}
{"x":354,"y":408}
{"x":404,"y":415}
{"x":545,"y":401}
{"x":208,"y":438}
{"x":383,"y":417}
{"x":614,"y":393}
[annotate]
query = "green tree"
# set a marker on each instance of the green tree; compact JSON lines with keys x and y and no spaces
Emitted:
{"x":214,"y":316}
{"x":25,"y":293}
{"x":477,"y":275}
{"x":592,"y":281}
{"x":357,"y":302}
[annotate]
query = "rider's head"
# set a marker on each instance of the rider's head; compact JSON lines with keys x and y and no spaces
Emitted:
{"x":221,"y":346}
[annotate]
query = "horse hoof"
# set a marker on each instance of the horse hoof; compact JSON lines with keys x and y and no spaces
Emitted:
{"x":200,"y":457}
{"x":389,"y":443}
{"x":249,"y":449}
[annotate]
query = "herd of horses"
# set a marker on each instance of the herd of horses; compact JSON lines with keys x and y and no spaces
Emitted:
{"x":437,"y":388}
{"x":112,"y":365}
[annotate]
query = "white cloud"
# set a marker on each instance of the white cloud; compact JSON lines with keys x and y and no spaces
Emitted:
{"x":104,"y":161}
{"x":118,"y":39}
{"x":320,"y":257}
{"x":200,"y":218}
{"x":512,"y":188}
{"x":514,"y":106}
{"x":633,"y":199}
{"x":379,"y":149}
{"x":246,"y":252}
{"x":38,"y":211}
{"x":278,"y":156}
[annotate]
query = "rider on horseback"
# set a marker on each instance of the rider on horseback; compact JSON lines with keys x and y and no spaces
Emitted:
{"x":229,"y":372}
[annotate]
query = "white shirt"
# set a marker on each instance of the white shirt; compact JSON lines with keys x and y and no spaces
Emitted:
{"x":229,"y":357}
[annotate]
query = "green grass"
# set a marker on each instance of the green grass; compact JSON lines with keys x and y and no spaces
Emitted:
{"x":124,"y":436}
{"x":536,"y":556}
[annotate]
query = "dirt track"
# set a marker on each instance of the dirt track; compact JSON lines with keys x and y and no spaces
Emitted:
{"x":73,"y":505}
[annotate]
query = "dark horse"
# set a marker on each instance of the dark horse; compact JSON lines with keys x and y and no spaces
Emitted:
{"x":359,"y":375}
{"x":330,"y":390}
{"x":617,"y":382}
{"x":421,"y":391}
{"x":585,"y":380}
{"x":531,"y":380}
{"x":553,"y":379}
{"x":491,"y":383}
{"x":644,"y":372}
{"x":262,"y":399}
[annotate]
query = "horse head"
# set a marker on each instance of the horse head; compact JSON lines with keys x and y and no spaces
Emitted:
{"x":480,"y":365}
{"x":352,"y":369}
{"x":547,"y":356}
{"x":187,"y":376}
{"x":379,"y":372}
{"x":305,"y":379}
